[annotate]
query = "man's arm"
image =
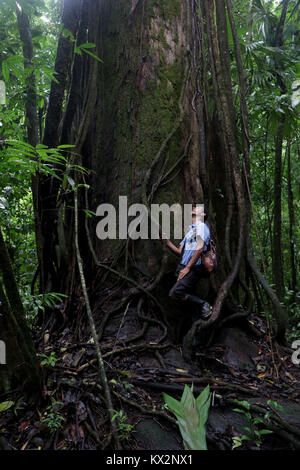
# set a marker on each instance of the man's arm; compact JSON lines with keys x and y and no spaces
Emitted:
{"x":171,"y":245}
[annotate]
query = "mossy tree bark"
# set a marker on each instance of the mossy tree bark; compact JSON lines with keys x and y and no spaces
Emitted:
{"x":156,"y":123}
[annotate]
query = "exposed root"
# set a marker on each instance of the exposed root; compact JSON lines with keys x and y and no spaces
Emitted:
{"x":144,"y":410}
{"x":279,"y":313}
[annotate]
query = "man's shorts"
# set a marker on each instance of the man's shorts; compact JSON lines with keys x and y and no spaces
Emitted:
{"x":188,"y":284}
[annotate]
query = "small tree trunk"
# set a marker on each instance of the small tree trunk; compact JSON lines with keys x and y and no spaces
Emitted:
{"x":21,"y":361}
{"x":291,"y":225}
{"x":30,"y":98}
{"x":277,"y":260}
{"x":277,"y":268}
{"x":50,"y":258}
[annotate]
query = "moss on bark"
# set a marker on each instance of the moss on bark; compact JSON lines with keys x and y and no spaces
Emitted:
{"x":139,"y":89}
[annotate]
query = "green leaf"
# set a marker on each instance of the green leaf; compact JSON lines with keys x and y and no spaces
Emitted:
{"x":172,"y":403}
{"x":186,"y":393}
{"x":238,"y":410}
{"x":236,"y":442}
{"x":77,"y":50}
{"x":41,"y":146}
{"x":13,"y":60}
{"x":87,"y":45}
{"x":5,"y":405}
{"x":245,"y":404}
{"x":68,"y":34}
{"x":203,"y":397}
{"x":66,"y":146}
{"x":93,"y":55}
{"x":246,"y":438}
{"x":257,"y":421}
{"x":5,"y":71}
{"x":265,"y":431}
{"x":71,"y":181}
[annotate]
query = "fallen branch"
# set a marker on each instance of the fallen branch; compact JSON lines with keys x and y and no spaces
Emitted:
{"x":173,"y":387}
{"x":145,"y":410}
{"x":137,"y":347}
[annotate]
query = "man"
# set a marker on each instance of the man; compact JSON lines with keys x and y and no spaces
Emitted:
{"x":190,"y":269}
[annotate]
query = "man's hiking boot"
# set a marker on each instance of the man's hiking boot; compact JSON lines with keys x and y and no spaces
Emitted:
{"x":206,"y":308}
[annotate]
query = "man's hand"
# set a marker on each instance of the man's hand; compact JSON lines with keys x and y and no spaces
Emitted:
{"x":183,"y":273}
{"x":163,"y":237}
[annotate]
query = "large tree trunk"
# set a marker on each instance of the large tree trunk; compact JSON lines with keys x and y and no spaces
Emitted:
{"x":143,"y":124}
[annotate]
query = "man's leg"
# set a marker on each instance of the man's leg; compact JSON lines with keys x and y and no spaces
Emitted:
{"x":182,"y":291}
{"x":205,"y":306}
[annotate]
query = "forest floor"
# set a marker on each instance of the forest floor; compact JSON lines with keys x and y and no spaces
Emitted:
{"x":239,"y":365}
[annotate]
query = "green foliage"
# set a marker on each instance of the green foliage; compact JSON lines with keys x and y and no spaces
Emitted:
{"x":18,"y":406}
{"x":291,"y":302}
{"x":85,"y":47}
{"x":191,"y":415}
{"x":253,"y":433}
{"x":272,"y":76}
{"x":5,"y":405}
{"x":48,"y":360}
{"x":53,"y":419}
{"x":39,"y":302}
{"x":124,"y":428}
{"x":19,"y":161}
{"x":50,"y":161}
{"x":45,"y":29}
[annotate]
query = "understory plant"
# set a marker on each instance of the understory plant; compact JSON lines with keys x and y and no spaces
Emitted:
{"x":53,"y":419}
{"x":252,"y":432}
{"x":124,"y":428}
{"x":191,"y":416}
